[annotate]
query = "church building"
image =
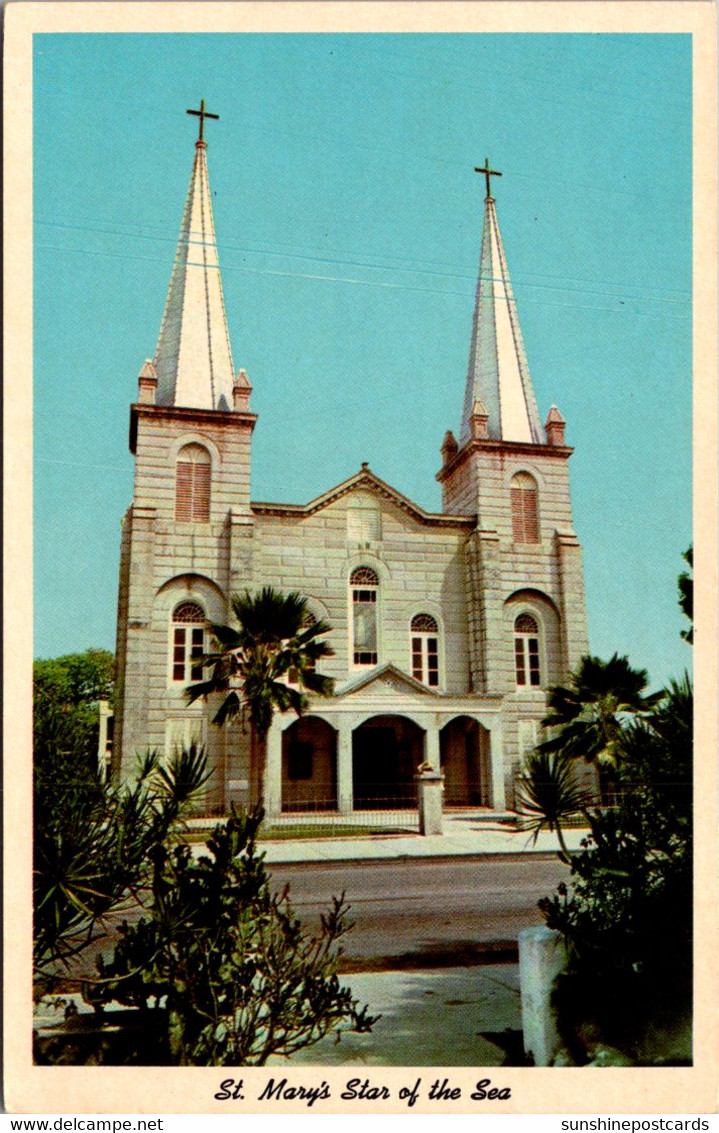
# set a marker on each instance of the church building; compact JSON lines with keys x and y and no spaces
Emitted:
{"x":447,"y":627}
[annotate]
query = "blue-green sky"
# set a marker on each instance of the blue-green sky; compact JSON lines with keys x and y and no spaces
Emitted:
{"x":348,"y":218}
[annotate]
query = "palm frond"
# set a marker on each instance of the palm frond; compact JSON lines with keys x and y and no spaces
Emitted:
{"x":549,"y":792}
{"x":317,"y":682}
{"x":231,"y":706}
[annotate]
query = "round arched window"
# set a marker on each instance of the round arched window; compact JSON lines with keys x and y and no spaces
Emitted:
{"x":364,"y":576}
{"x":364,"y":584}
{"x":187,"y":642}
{"x":526,"y":651}
{"x":424,"y":642}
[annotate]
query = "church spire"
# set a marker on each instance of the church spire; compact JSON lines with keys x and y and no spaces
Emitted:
{"x":498,"y":374}
{"x":193,"y":360}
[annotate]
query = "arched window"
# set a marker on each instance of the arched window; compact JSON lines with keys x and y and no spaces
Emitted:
{"x":364,"y":584}
{"x":526,"y":651}
{"x":525,"y":508}
{"x":192,"y":496}
{"x":188,"y":642}
{"x":425,"y":652}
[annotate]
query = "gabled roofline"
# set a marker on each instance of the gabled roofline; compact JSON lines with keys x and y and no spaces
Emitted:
{"x":389,"y":668}
{"x":365,"y":479}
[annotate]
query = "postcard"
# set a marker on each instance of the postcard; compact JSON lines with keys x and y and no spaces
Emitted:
{"x":361,"y":469}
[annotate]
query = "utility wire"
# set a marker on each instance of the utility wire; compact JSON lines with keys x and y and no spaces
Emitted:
{"x":349,"y":280}
{"x":388,"y":263}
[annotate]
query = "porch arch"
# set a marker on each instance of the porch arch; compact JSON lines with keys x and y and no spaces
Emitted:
{"x":386,"y":752}
{"x":309,"y":765}
{"x":464,"y":753}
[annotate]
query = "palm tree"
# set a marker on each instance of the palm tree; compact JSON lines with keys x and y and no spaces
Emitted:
{"x":591,"y":712}
{"x":275,"y":642}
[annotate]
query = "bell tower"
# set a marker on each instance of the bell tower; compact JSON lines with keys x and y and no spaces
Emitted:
{"x":187,"y":536}
{"x":524,"y":581}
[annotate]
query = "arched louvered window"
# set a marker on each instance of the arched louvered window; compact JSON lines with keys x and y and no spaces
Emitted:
{"x":524,"y":500}
{"x":526,"y":652}
{"x":424,"y":638}
{"x":188,"y":642}
{"x":192,"y":498}
{"x":364,"y":586}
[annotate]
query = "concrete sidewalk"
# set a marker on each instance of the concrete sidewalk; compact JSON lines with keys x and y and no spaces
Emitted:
{"x":463,"y":836}
{"x":450,"y":1017}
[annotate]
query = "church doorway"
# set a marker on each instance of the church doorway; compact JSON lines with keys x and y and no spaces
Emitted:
{"x":464,"y":758}
{"x":386,"y":752}
{"x":309,"y":766}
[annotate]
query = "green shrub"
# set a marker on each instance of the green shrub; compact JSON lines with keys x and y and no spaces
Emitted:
{"x":222,"y":966}
{"x":627,"y":914}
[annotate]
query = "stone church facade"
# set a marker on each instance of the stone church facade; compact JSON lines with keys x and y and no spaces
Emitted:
{"x":447,"y":627}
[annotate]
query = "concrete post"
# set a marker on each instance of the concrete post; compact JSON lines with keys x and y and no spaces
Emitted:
{"x":345,"y":800}
{"x":542,"y":957}
{"x":430,"y":788}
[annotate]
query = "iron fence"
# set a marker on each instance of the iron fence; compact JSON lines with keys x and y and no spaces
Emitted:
{"x":391,"y":807}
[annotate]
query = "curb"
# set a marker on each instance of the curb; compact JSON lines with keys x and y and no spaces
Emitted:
{"x":407,"y":859}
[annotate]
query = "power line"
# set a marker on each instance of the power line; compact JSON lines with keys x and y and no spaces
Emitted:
{"x":386,"y":262}
{"x":386,"y":285}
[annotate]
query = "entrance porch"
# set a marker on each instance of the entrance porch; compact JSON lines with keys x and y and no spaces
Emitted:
{"x":357,"y":763}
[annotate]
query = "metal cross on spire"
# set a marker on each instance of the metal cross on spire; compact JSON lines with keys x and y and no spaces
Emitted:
{"x":202,"y":114}
{"x":488,"y":173}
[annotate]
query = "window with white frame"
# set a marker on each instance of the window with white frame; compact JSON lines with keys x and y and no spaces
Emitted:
{"x":192,"y":494}
{"x":424,"y":638}
{"x":187,"y":642}
{"x":524,"y":500}
{"x":364,"y":585}
{"x":526,"y":652}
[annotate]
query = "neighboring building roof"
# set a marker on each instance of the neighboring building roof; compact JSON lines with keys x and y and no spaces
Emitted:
{"x":365,"y":479}
{"x":193,"y":358}
{"x":498,"y":374}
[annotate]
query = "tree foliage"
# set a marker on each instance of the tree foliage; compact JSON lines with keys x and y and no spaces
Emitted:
{"x":66,"y":692}
{"x":92,"y":845}
{"x":627,"y":915}
{"x":590,"y":712}
{"x":221,"y":967}
{"x":685,"y":584}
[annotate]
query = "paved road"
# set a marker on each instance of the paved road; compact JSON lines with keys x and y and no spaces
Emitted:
{"x":426,"y":913}
{"x":415,"y":913}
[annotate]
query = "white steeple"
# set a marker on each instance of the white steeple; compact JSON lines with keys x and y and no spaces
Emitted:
{"x":498,"y":374}
{"x":193,"y":360}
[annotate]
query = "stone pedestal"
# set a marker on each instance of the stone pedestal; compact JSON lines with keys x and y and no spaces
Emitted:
{"x":541,"y":958}
{"x":430,"y":789}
